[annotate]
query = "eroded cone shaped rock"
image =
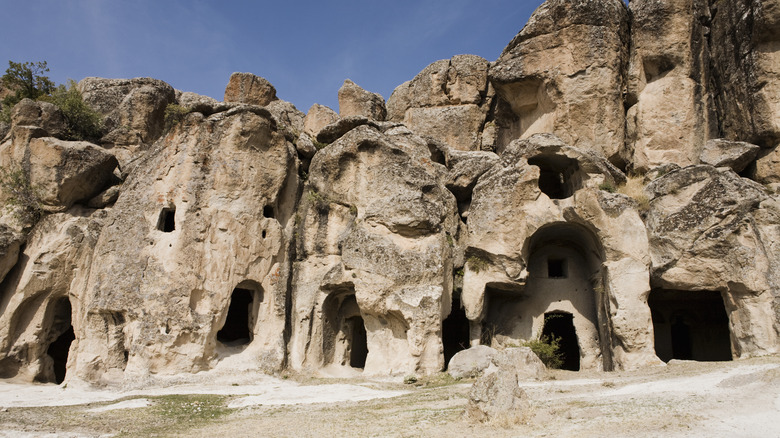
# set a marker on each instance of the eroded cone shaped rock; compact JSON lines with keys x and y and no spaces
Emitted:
{"x":250,"y":89}
{"x":355,"y":101}
{"x":562,"y":74}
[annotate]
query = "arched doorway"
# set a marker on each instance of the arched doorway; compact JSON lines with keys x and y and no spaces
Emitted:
{"x":238,"y":328}
{"x":455,"y":331}
{"x":344,"y":337}
{"x":62,"y":335}
{"x":560,"y":326}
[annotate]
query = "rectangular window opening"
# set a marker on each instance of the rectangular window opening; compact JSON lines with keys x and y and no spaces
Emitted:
{"x":167,"y":221}
{"x":556,"y":268}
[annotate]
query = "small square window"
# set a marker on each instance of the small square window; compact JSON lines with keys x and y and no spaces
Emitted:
{"x":167,"y":222}
{"x":556,"y":268}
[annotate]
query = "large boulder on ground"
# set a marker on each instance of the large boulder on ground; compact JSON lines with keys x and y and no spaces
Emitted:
{"x":355,"y":101}
{"x":250,"y":89}
{"x":471,"y":362}
{"x":525,"y":363}
{"x":449,"y":100}
{"x":133,"y":111}
{"x":497,"y":397}
{"x":711,"y":230}
{"x":670,"y":115}
{"x":562,"y":74}
{"x":318,"y":117}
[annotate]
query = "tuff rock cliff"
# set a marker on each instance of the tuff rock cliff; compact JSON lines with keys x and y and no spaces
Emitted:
{"x":611,"y":179}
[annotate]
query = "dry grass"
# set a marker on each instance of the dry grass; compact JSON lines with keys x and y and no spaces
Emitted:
{"x":635,"y":189}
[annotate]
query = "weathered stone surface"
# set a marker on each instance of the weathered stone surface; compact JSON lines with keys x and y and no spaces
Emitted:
{"x":336,"y":130}
{"x":11,"y":241}
{"x":377,"y":261}
{"x":250,"y":89}
{"x":41,"y":114}
{"x":471,"y":362}
{"x":671,"y":115}
{"x":562,"y":73}
{"x":105,"y":198}
{"x":521,"y":360}
{"x":448,"y":100}
{"x":355,"y":101}
{"x":318,"y":117}
{"x":514,"y":227}
{"x":202,"y":104}
{"x":724,"y":153}
{"x":288,"y":117}
{"x":204,"y":214}
{"x":67,"y":172}
{"x":768,"y":167}
{"x":497,"y":397}
{"x":746,"y":71}
{"x":711,"y":230}
{"x":43,"y":295}
{"x":133,"y":111}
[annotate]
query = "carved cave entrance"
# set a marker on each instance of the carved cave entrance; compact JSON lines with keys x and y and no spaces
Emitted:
{"x":690,"y":325}
{"x":558,"y":176}
{"x":344,"y":337}
{"x":560,"y":326}
{"x":238,"y":328}
{"x":455,"y":331}
{"x":62,"y":335}
{"x":559,"y":296}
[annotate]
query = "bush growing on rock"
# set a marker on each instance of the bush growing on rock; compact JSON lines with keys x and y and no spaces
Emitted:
{"x":83,"y":123}
{"x":20,"y":195}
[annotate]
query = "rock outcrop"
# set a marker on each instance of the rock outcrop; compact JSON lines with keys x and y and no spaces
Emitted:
{"x":610,"y":182}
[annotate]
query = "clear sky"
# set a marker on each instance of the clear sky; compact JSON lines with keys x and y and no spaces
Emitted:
{"x":306,"y":49}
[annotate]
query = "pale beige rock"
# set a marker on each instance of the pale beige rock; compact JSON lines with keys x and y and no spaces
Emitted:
{"x":202,"y":104}
{"x":671,"y":116}
{"x":209,"y":212}
{"x":562,"y":74}
{"x":41,"y":114}
{"x":768,"y":167}
{"x":497,"y":397}
{"x":736,"y":155}
{"x":522,"y":360}
{"x":373,"y":253}
{"x":711,"y":230}
{"x":448,"y":100}
{"x":318,"y":117}
{"x":250,"y":89}
{"x":355,"y":101}
{"x":471,"y":362}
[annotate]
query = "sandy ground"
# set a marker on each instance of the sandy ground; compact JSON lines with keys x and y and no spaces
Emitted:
{"x":682,"y":399}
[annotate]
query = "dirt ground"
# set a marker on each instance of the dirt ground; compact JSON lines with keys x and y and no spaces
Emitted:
{"x":734,"y":399}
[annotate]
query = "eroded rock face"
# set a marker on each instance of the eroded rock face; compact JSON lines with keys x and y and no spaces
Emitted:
{"x":133,"y":111}
{"x":449,"y":100}
{"x":671,"y":114}
{"x":562,"y":72}
{"x":374,"y":265}
{"x":355,"y":101}
{"x":199,"y":225}
{"x":318,"y":117}
{"x":711,"y":230}
{"x":43,"y":115}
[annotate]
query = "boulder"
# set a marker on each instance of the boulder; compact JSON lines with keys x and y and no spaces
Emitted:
{"x":671,"y":116}
{"x":355,"y":101}
{"x":562,"y":72}
{"x":768,"y":166}
{"x":66,"y":172}
{"x":724,"y":153}
{"x":318,"y":117}
{"x":448,"y":100}
{"x":199,"y":103}
{"x":250,"y":89}
{"x":133,"y":111}
{"x":524,"y":362}
{"x":288,"y":117}
{"x":336,"y":130}
{"x":471,"y":362}
{"x":43,"y":115}
{"x":497,"y":397}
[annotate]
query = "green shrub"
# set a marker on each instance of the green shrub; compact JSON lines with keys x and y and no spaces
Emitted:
{"x":607,"y":187}
{"x":21,"y":195}
{"x":26,"y":80}
{"x":174,"y":114}
{"x":476,"y":263}
{"x":82,"y":122}
{"x":547,"y":349}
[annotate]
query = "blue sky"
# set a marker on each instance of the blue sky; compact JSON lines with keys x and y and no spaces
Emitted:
{"x":306,"y":49}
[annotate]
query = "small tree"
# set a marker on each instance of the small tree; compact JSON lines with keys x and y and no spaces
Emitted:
{"x":26,"y":80}
{"x":83,"y":123}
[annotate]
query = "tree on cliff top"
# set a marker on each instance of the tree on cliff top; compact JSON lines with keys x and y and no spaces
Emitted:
{"x":26,"y":79}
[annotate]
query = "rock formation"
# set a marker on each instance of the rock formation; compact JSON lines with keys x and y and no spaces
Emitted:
{"x":610,"y":181}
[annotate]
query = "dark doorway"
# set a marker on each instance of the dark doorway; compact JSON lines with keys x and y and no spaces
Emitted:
{"x":167,"y":221}
{"x":358,"y":342}
{"x":690,"y":325}
{"x":455,"y":332}
{"x":237,"y":328}
{"x":561,"y":325}
{"x":62,"y":332}
{"x":555,"y":175}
